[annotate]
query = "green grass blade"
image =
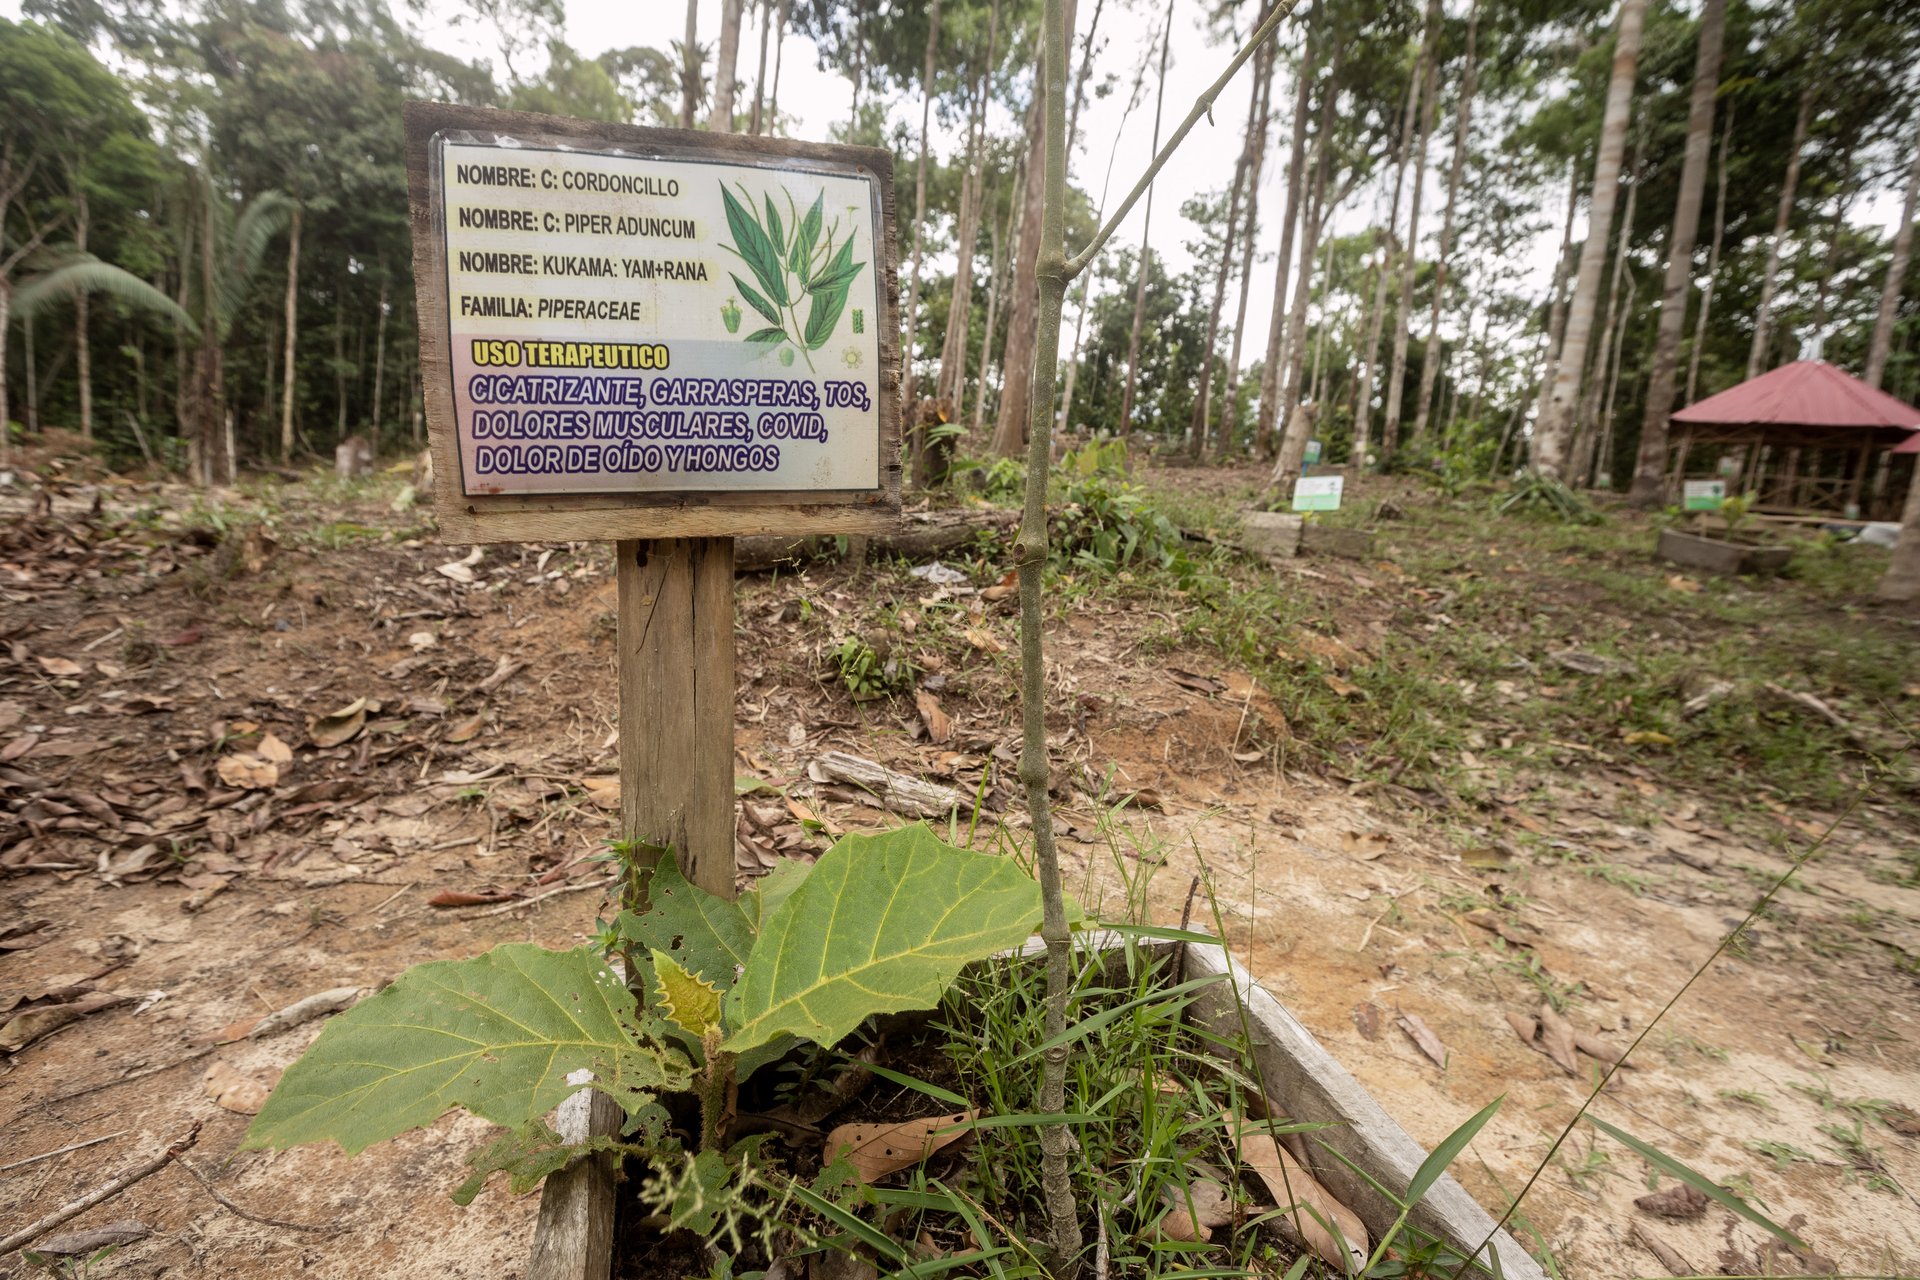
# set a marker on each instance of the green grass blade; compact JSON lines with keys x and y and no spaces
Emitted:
{"x":1448,"y":1151}
{"x":1698,"y":1181}
{"x":878,"y":1241}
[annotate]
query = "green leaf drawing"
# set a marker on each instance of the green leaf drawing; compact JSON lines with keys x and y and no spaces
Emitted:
{"x":751,"y":243}
{"x":774,"y":231}
{"x":792,"y":264}
{"x":882,"y":923}
{"x":823,"y":315}
{"x":754,"y":300}
{"x":498,"y":1034}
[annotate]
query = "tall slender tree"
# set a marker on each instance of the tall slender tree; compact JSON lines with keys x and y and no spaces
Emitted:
{"x":1757,"y":354}
{"x":1881,"y":344}
{"x":1146,"y":240}
{"x":1409,"y":259}
{"x":1442,"y":258}
{"x":1649,"y":478}
{"x":909,"y":373}
{"x":1265,"y":425}
{"x":1713,"y":262}
{"x":1552,"y":434}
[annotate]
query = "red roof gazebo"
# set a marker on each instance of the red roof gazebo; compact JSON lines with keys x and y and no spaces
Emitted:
{"x":1802,"y":436}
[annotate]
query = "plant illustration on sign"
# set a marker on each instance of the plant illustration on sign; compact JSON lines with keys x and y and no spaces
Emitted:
{"x":792,"y":260}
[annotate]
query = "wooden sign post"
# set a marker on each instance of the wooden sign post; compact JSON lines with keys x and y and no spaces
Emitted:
{"x":663,"y":339}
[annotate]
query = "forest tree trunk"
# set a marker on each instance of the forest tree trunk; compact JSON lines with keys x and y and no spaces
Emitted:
{"x":1377,"y":317}
{"x":1268,"y":420}
{"x":289,"y":379}
{"x":1783,"y":214}
{"x":721,"y":119}
{"x":1430,"y":363}
{"x":1713,"y":263}
{"x":1146,"y":240}
{"x":1551,"y":440}
{"x":1263,"y":89}
{"x":1649,"y":476}
{"x":1882,"y":343}
{"x":908,"y":400}
{"x":1410,"y":253}
{"x":690,"y":66}
{"x":1016,"y":388}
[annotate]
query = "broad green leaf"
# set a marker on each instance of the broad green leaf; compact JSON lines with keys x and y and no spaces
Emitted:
{"x":772,"y":889}
{"x":1698,"y":1181}
{"x":498,"y":1034}
{"x":751,"y":243}
{"x":754,"y":300}
{"x":882,"y":923}
{"x":690,"y":1002}
{"x":527,"y":1155}
{"x":707,"y":935}
{"x":1448,"y":1151}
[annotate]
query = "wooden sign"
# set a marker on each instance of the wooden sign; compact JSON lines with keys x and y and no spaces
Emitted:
{"x":650,"y":333}
{"x":1318,"y":493}
{"x":1704,"y":495}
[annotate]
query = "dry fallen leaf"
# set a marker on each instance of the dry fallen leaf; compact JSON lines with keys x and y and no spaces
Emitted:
{"x":1681,"y":582}
{"x":230,"y":1089}
{"x":1008,"y":584}
{"x":455,"y":571}
{"x":1422,"y":1036}
{"x":1646,"y":738}
{"x":939,"y":724}
{"x":422,"y":640}
{"x":1557,"y":1038}
{"x":1365,"y":845}
{"x":603,"y":793}
{"x":1319,"y":1215}
{"x":984,"y":640}
{"x":1366,"y":1020}
{"x":1678,"y":1201}
{"x":247,"y":771}
{"x":1902,"y":1120}
{"x":1528,"y":1029}
{"x":1345,"y":688}
{"x":336,"y":727}
{"x":466,"y":727}
{"x":876,"y":1150}
{"x":60,"y":666}
{"x":1195,"y":1213}
{"x":272,"y":750}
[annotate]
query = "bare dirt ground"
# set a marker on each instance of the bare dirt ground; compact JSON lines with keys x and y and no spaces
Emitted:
{"x":288,"y":744}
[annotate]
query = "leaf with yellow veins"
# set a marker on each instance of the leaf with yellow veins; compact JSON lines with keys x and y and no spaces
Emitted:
{"x":689,"y":1000}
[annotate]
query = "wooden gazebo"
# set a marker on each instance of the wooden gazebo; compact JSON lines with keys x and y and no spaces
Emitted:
{"x":1805,"y":437}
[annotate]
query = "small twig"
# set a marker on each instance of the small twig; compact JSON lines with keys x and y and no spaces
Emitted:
{"x":506,"y":907}
{"x":263,"y":1220}
{"x":99,"y":1195}
{"x":72,"y":1146}
{"x":138,"y":1075}
{"x":389,"y":898}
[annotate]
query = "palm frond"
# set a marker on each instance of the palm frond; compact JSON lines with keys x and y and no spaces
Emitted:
{"x":91,"y":275}
{"x":265,"y":217}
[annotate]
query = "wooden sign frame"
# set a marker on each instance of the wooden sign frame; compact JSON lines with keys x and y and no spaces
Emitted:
{"x":469,"y":518}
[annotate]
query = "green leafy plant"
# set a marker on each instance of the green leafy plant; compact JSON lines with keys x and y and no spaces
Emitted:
{"x":808,"y":954}
{"x":1108,"y":524}
{"x":1538,"y":495}
{"x":793,"y":260}
{"x":866,"y":674}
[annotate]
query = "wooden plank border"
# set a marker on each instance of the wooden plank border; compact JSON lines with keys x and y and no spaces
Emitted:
{"x":687,"y":514}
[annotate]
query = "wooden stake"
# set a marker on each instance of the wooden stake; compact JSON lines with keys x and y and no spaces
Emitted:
{"x":676,"y":704}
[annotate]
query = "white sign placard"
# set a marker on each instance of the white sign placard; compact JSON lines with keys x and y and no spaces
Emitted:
{"x":623,"y":323}
{"x":1318,"y":493}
